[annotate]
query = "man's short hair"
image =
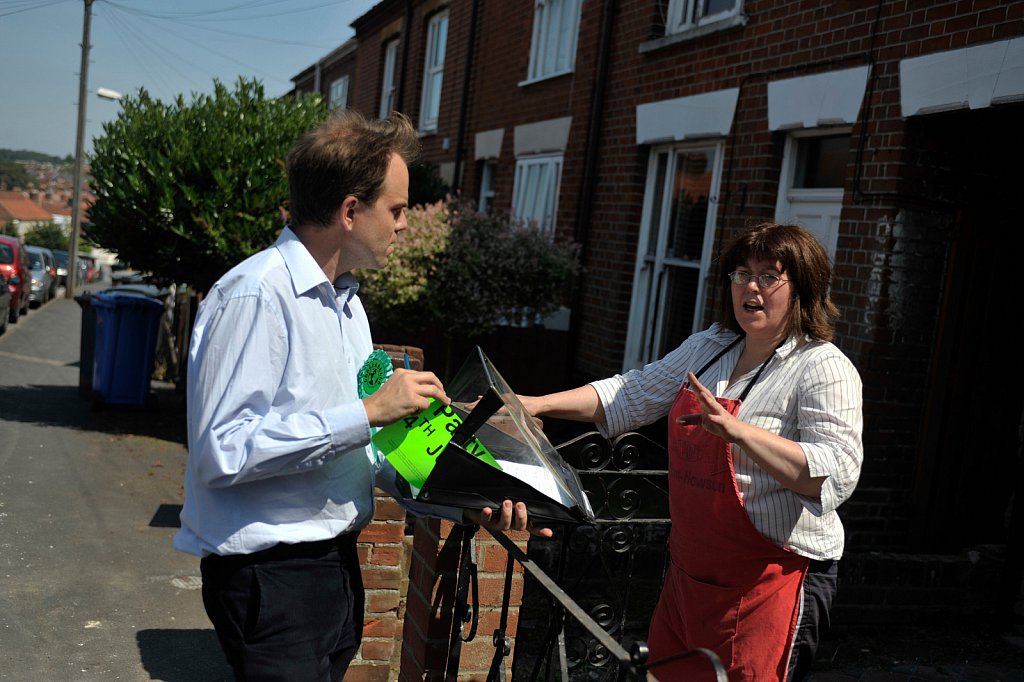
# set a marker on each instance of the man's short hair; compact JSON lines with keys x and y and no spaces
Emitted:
{"x":346,"y":155}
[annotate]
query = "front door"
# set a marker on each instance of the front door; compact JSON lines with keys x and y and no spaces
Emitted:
{"x":674,"y":250}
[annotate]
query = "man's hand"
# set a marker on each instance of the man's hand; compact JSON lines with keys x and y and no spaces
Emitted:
{"x":405,"y":392}
{"x":509,"y":517}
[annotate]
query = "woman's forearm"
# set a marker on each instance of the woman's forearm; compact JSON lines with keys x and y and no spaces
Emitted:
{"x":782,"y":459}
{"x":578,"y":404}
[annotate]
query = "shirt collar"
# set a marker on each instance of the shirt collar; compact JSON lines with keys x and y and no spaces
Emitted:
{"x":304,"y":271}
{"x":724,"y":336}
{"x":346,"y":285}
{"x":306,"y":274}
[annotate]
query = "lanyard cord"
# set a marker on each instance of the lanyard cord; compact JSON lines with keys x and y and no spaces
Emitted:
{"x":728,"y":348}
{"x":759,"y":370}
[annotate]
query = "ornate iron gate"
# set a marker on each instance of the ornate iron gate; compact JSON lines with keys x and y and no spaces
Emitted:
{"x":613,"y":570}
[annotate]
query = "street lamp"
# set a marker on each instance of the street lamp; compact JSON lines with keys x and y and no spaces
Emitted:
{"x":107,"y":93}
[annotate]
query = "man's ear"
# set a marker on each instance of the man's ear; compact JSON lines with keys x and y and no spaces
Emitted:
{"x":347,"y":212}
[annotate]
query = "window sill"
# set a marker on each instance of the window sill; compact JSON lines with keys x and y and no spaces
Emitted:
{"x":687,"y":35}
{"x":531,"y":81}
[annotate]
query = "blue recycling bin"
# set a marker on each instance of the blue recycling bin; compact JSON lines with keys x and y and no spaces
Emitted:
{"x":125,"y":343}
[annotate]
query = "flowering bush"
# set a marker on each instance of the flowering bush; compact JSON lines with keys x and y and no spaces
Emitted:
{"x":458,"y":272}
{"x":392,"y":293}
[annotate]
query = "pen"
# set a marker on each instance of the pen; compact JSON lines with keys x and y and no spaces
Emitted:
{"x":405,"y":359}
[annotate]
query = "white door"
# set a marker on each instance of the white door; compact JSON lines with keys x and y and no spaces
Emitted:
{"x":811,"y":184}
{"x":816,"y":210}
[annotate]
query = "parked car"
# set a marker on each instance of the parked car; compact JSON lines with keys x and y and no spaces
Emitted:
{"x":14,"y":267}
{"x":61,"y":257}
{"x":90,"y":268}
{"x":5,"y":303}
{"x":51,"y":264}
{"x":42,"y":281}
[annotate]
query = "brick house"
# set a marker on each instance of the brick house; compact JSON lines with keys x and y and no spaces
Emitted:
{"x":652,"y":131}
{"x":333,"y":77}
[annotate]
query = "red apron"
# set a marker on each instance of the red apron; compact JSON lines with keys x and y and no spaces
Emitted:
{"x":727,"y":588}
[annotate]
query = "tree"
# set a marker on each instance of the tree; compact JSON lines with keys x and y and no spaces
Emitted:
{"x":49,"y":235}
{"x":14,"y":175}
{"x":186,"y":191}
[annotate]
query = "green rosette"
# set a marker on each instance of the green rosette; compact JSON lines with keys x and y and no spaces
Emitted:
{"x":374,"y":372}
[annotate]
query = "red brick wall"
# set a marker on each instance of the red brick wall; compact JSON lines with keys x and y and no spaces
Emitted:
{"x":383,"y":558}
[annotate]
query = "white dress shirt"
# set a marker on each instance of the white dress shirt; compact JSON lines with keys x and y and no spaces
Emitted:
{"x":809,"y":393}
{"x":279,"y":441}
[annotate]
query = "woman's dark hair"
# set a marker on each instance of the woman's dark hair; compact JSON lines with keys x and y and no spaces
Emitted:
{"x":346,"y":155}
{"x":804,"y":263}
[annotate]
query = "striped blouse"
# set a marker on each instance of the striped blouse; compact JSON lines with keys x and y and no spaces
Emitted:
{"x":809,"y":393}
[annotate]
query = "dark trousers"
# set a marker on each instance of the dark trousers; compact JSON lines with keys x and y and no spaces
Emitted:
{"x":819,"y":592}
{"x":290,"y":613}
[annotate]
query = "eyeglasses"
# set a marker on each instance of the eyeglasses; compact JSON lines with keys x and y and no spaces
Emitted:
{"x":765,"y":280}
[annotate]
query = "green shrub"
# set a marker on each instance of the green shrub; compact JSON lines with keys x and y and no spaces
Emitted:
{"x":48,"y":235}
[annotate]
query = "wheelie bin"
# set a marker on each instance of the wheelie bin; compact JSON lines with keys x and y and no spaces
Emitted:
{"x":125,"y":343}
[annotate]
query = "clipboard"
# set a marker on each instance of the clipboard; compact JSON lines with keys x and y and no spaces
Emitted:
{"x":483,"y":449}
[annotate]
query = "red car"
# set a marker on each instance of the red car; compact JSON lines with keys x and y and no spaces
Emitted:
{"x":15,"y":267}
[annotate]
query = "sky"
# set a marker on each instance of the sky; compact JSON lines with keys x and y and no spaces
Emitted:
{"x":168,"y":47}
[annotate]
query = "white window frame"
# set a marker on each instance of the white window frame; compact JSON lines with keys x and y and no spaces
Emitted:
{"x":544,"y":211}
{"x":556,"y":28}
{"x":433,"y":71}
{"x":338,"y":97}
{"x":387,"y":81}
{"x":681,"y":12}
{"x":487,"y":173}
{"x":645,"y":319}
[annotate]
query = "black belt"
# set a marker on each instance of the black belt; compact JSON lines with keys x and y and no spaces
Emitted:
{"x":284,"y":550}
{"x":821,"y":566}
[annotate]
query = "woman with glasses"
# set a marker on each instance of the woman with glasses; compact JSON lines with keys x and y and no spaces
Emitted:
{"x":765,"y":424}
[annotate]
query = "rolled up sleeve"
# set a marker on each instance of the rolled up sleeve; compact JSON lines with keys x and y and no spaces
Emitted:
{"x":830,"y":420}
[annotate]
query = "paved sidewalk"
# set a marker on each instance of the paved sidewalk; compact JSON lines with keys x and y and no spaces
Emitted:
{"x":93,"y":589}
{"x":920,"y":652}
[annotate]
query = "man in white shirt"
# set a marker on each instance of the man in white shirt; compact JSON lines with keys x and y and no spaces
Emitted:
{"x":281,"y":471}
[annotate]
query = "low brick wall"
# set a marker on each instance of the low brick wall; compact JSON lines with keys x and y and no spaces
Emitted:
{"x":383,"y":556}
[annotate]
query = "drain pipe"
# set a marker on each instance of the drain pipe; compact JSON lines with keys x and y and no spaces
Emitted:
{"x":406,"y":30}
{"x":581,"y":231}
{"x":460,"y":138}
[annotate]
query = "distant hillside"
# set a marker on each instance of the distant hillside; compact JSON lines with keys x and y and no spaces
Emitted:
{"x":25,"y":155}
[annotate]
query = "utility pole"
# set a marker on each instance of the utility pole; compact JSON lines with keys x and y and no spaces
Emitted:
{"x":76,"y":192}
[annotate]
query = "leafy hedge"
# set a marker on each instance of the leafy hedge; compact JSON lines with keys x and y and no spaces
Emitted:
{"x":187,"y":190}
